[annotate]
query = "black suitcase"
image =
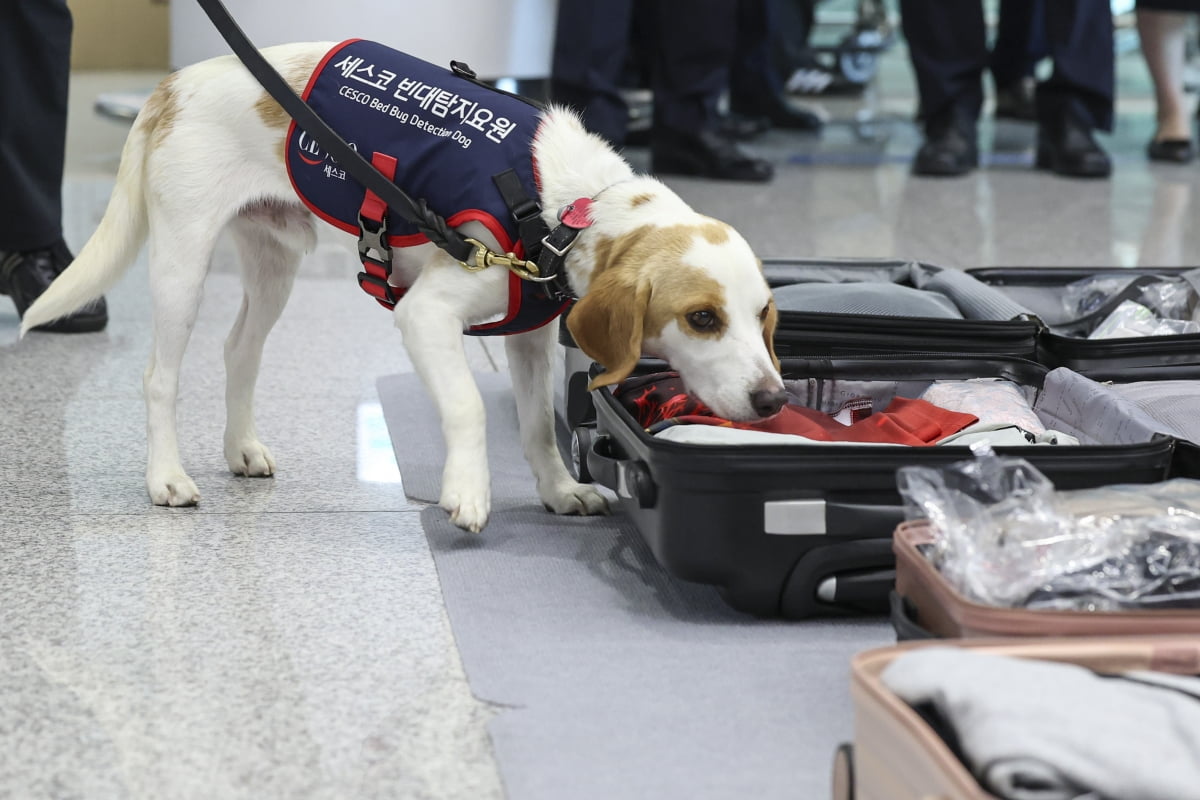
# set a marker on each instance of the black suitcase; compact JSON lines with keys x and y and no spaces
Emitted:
{"x":1023,"y":317}
{"x":804,"y":531}
{"x":1019,"y":308}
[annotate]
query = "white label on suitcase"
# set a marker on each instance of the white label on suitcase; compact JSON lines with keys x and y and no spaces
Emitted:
{"x":794,"y":517}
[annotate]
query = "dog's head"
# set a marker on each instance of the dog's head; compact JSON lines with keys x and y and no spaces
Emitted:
{"x":693,"y":295}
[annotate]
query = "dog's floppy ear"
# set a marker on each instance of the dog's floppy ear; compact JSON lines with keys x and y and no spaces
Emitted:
{"x":772,"y":319}
{"x":607,"y":323}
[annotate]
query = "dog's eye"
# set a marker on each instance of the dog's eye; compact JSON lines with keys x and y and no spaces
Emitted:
{"x":762,"y":317}
{"x":702,"y":320}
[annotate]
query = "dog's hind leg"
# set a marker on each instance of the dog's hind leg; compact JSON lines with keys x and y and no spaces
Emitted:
{"x":270,"y":241}
{"x":180,"y":249}
{"x":529,"y":359}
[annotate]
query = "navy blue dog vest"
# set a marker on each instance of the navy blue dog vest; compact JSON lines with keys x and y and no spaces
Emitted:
{"x":438,"y":137}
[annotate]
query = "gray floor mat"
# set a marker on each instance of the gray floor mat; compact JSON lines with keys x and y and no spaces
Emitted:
{"x":614,"y":679}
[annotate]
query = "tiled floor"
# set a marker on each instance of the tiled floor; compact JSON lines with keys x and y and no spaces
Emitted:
{"x":287,"y":637}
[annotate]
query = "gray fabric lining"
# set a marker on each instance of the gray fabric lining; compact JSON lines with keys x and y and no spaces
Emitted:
{"x":881,"y":299}
{"x":975,"y":299}
{"x":892,"y":289}
{"x":1175,"y":405}
{"x":1091,"y":412}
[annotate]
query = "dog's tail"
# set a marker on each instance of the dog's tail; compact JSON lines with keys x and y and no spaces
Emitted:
{"x":114,"y":245}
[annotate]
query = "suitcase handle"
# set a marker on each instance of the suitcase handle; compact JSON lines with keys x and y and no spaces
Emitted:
{"x":903,"y":618}
{"x":628,"y":478}
{"x":815,"y":516}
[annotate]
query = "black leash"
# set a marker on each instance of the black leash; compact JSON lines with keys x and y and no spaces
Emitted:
{"x":417,"y":212}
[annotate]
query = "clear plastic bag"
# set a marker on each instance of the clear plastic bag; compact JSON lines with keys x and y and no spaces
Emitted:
{"x":1171,"y":298}
{"x":1153,"y":305}
{"x":1086,"y":296}
{"x":1003,"y":536}
{"x":1131,"y":319}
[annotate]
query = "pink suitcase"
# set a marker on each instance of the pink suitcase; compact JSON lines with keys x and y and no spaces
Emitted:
{"x":897,"y":756}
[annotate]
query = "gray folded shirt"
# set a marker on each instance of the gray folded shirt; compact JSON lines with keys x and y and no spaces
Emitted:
{"x":1036,"y":730}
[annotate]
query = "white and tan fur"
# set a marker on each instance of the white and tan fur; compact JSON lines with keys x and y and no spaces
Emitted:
{"x":207,"y":152}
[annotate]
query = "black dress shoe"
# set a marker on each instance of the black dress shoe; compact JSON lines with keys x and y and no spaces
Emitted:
{"x":24,"y":276}
{"x":1067,"y":147}
{"x":1175,"y":151}
{"x":949,"y":149}
{"x":705,"y":154}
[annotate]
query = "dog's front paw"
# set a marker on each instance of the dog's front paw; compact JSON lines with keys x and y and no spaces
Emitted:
{"x":175,"y":489}
{"x":468,"y":509}
{"x":249,"y":457}
{"x":575,"y":498}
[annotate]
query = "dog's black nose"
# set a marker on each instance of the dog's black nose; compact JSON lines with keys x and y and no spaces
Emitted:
{"x":767,"y":402}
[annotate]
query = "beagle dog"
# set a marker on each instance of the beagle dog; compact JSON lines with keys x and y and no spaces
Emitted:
{"x":652,"y":277}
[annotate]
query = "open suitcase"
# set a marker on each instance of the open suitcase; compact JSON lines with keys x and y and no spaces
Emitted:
{"x":801,"y":531}
{"x":1007,"y":312}
{"x":1016,"y":311}
{"x":897,"y":755}
{"x":926,"y":605}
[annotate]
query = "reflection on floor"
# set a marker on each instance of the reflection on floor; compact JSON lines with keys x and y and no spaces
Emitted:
{"x":287,"y":638}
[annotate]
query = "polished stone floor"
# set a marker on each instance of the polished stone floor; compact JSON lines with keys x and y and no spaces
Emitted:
{"x":287,"y":638}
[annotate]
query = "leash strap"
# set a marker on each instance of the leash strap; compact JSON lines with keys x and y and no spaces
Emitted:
{"x":415,"y":211}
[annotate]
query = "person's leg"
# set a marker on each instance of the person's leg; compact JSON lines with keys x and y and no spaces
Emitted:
{"x":947,"y":44}
{"x":1078,"y":97}
{"x":1019,"y":45}
{"x":35,"y":64}
{"x":792,"y":23}
{"x":590,"y":45}
{"x":1163,"y":35}
{"x":1079,"y":35}
{"x":35,"y":53}
{"x":755,"y":87}
{"x":696,"y":41}
{"x":1012,"y":58}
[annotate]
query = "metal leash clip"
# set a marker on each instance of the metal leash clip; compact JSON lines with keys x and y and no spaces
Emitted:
{"x":484,"y":258}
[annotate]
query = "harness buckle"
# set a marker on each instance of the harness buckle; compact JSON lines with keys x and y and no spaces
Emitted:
{"x":566,"y":248}
{"x":374,"y":239}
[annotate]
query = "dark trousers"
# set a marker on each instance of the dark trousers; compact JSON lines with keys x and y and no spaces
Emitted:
{"x":947,"y":43}
{"x":690,"y":46}
{"x":1020,"y":40}
{"x":35,"y":63}
{"x":754,"y":83}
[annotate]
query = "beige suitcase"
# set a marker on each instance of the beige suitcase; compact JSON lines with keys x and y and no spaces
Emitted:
{"x":925,"y":605}
{"x":897,"y":756}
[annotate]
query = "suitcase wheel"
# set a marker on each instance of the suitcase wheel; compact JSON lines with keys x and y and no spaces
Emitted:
{"x":581,"y":443}
{"x":843,"y":772}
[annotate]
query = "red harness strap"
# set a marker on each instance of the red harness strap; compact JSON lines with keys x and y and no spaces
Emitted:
{"x":372,"y":238}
